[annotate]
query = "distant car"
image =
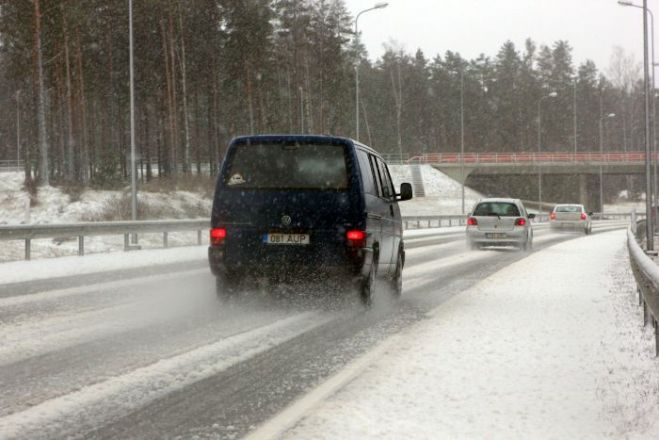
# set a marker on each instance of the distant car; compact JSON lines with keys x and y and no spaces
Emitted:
{"x":570,"y":216}
{"x":299,"y":207}
{"x":500,"y":222}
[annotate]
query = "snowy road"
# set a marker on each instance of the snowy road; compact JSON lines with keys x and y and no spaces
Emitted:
{"x":155,"y":356}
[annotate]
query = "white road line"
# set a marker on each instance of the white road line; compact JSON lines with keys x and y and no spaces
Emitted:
{"x":286,"y":419}
{"x":91,"y":288}
{"x":102,"y":402}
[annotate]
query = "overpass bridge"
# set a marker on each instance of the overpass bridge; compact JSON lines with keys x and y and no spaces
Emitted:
{"x":586,"y":165}
{"x":631,"y":162}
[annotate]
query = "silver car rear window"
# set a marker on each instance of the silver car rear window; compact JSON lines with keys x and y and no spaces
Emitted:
{"x":570,"y":208}
{"x":501,"y":209}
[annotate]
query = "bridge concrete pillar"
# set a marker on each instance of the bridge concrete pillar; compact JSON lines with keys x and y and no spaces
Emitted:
{"x":583,"y":190}
{"x":589,"y":192}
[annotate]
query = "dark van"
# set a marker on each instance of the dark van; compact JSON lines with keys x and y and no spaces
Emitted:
{"x":305,"y":207}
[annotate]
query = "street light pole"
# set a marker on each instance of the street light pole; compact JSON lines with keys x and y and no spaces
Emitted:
{"x":649,"y":224}
{"x":462,"y":135}
{"x":380,"y":5}
{"x":574,"y":113}
{"x":550,"y":95}
{"x":601,"y":125}
{"x":18,"y":127}
{"x":133,"y":181}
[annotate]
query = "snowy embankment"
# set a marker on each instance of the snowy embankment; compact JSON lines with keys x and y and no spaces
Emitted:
{"x":538,"y":350}
{"x":443,"y":194}
{"x":53,"y":205}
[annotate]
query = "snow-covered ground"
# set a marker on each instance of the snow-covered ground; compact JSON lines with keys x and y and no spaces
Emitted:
{"x":443,"y":194}
{"x":55,"y":206}
{"x":538,"y":350}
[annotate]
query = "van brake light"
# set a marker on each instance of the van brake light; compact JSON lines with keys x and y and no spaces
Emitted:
{"x":471,"y":221}
{"x":520,"y":221}
{"x":584,"y":216}
{"x":552,"y":216}
{"x":356,"y":238}
{"x":217,"y":236}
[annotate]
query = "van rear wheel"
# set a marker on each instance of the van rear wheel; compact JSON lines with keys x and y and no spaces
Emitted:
{"x":397,"y":280}
{"x":367,"y":288}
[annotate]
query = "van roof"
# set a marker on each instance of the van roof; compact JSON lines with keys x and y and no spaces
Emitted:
{"x":300,"y":138}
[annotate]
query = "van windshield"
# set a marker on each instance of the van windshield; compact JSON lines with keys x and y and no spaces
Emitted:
{"x":304,"y":166}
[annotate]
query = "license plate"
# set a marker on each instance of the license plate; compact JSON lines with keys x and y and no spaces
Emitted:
{"x":495,"y":235}
{"x":286,"y":239}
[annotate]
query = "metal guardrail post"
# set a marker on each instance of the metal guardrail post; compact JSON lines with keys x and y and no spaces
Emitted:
{"x":126,"y":242}
{"x":164,"y":239}
{"x":199,"y":237}
{"x":81,"y":245}
{"x":27,"y":248}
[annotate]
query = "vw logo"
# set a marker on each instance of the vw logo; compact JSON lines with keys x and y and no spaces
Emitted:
{"x":285,"y":220}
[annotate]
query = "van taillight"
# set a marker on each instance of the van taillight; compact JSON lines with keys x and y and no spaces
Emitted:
{"x":583,"y":216}
{"x":471,"y":221}
{"x":520,"y":221}
{"x":217,"y":236}
{"x":552,"y":216}
{"x":356,"y":238}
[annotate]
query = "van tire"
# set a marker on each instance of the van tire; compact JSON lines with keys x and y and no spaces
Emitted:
{"x":367,"y":288}
{"x":397,"y":280}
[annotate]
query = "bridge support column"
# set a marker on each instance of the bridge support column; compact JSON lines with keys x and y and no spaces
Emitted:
{"x":583,"y":190}
{"x":589,"y":192}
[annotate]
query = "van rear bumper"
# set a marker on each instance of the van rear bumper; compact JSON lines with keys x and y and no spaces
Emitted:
{"x":355,"y":263}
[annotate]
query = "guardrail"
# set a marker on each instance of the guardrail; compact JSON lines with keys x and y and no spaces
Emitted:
{"x":529,"y":158}
{"x":82,"y":230}
{"x":11,"y":165}
{"x":646,"y":274}
{"x":433,"y":221}
{"x":126,"y":228}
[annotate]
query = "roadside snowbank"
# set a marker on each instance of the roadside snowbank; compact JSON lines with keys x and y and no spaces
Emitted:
{"x":55,"y":206}
{"x":549,"y":347}
{"x":443,"y":194}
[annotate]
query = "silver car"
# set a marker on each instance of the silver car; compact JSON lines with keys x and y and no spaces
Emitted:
{"x":500,"y":222}
{"x":570,"y":216}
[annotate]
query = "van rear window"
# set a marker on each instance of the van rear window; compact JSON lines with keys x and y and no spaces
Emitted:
{"x":287,"y":166}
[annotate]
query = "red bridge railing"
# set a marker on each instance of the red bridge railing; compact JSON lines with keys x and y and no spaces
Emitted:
{"x":526,"y":158}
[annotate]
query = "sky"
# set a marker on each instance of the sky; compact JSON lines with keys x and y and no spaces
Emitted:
{"x":472,"y":27}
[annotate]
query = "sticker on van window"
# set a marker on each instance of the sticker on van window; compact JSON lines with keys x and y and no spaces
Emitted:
{"x":237,"y":179}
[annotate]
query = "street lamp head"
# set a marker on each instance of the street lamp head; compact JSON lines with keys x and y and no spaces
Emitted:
{"x":611,"y":115}
{"x":625,"y":3}
{"x":553,"y":94}
{"x":380,"y":5}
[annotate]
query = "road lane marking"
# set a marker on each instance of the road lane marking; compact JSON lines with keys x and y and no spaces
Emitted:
{"x":102,"y":402}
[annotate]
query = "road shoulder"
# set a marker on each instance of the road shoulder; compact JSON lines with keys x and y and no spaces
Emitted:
{"x":549,"y":347}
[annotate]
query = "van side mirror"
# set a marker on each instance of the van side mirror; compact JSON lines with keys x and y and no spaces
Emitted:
{"x":531,"y":216}
{"x":590,"y":214}
{"x":405,"y":192}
